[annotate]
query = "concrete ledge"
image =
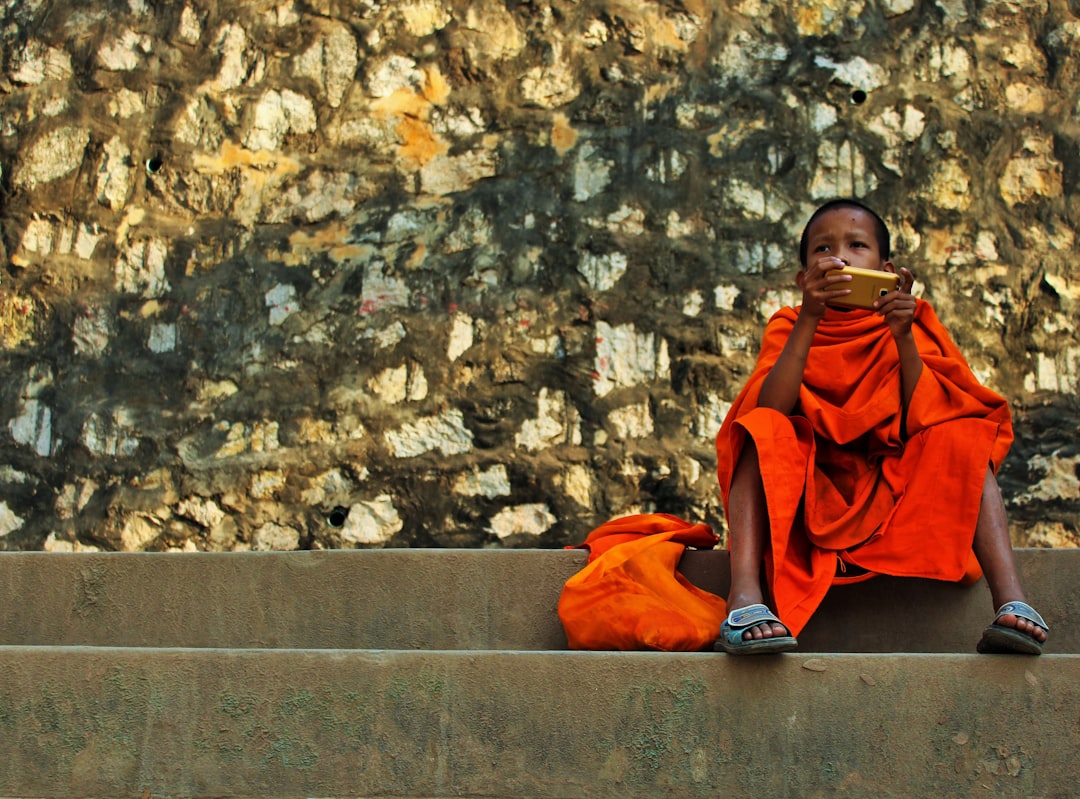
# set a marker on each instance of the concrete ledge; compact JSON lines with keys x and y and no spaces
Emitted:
{"x":97,"y":722}
{"x":359,"y":599}
{"x":447,"y":599}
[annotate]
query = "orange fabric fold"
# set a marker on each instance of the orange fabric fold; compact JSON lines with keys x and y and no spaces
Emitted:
{"x":630,"y":594}
{"x":849,"y":478}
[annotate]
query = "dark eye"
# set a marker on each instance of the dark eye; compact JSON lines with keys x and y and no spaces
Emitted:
{"x":821,"y":248}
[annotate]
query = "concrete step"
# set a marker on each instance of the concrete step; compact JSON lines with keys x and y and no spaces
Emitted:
{"x":429,"y":673}
{"x":446,"y":599}
{"x":103,"y":722}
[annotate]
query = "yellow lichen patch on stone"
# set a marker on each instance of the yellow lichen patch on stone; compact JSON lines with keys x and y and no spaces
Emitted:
{"x":809,"y":20}
{"x":232,"y":156}
{"x":563,"y":136}
{"x":17,"y":315}
{"x":436,"y":88}
{"x":417,"y":257}
{"x":666,"y":35}
{"x":320,"y":240}
{"x":332,"y":240}
{"x":820,"y":17}
{"x":419,"y":144}
{"x":350,"y":252}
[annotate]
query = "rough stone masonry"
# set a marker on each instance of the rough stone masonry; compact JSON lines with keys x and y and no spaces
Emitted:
{"x":486,"y":273}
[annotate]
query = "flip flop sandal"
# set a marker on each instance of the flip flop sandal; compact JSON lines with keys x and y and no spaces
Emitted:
{"x":997,"y":639}
{"x":738,"y":621}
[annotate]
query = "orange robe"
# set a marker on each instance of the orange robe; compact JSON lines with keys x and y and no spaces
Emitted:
{"x":848,"y":479}
{"x":630,"y":595}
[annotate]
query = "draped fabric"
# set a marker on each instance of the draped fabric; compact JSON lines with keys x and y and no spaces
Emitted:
{"x":849,"y":478}
{"x":630,"y":594}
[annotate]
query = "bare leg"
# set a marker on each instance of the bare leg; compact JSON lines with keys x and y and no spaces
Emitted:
{"x":748,"y":531}
{"x":993,"y":548}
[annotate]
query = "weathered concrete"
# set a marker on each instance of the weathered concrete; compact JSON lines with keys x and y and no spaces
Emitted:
{"x":98,"y":722}
{"x":297,"y":675}
{"x":446,"y":599}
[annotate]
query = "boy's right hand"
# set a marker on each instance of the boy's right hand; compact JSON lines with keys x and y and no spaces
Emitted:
{"x":819,"y":287}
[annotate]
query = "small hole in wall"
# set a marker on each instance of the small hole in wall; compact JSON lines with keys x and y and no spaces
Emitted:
{"x":858,"y":97}
{"x":154,"y":164}
{"x":338,"y":516}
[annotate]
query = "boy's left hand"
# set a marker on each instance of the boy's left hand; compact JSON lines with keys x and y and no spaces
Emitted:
{"x":898,"y":307}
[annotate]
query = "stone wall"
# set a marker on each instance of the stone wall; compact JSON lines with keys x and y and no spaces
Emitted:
{"x":349,"y":273}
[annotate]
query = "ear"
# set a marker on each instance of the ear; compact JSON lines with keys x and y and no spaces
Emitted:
{"x":800,"y":278}
{"x":889,"y":266}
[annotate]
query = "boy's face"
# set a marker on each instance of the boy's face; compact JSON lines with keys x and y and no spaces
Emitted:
{"x":847,"y":235}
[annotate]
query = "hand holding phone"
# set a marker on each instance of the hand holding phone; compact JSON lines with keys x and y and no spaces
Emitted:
{"x":867,"y":285}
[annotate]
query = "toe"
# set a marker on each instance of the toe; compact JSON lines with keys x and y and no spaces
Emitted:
{"x":755,"y":633}
{"x":779,"y":630}
{"x":1025,"y":626}
{"x":765,"y":630}
{"x":1031,"y":628}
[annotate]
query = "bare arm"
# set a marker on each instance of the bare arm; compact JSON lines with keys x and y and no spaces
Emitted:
{"x":898,"y":308}
{"x":780,"y":389}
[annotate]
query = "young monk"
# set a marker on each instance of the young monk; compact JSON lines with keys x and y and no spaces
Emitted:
{"x":862,"y":444}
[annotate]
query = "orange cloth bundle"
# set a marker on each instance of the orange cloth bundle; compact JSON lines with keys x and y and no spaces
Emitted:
{"x":850,"y":476}
{"x":630,"y":595}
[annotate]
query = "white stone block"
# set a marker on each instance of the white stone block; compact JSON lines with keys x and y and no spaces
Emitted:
{"x":125,"y":52}
{"x":372,"y":522}
{"x":445,"y":433}
{"x":204,"y":512}
{"x":273,"y":536}
{"x":557,"y":422}
{"x":632,"y":421}
{"x":59,"y":152}
{"x":530,"y":519}
{"x":33,"y":426}
{"x":461,"y":336}
{"x":625,"y":357}
{"x":602,"y":271}
{"x":9,"y":520}
{"x":282,"y":302}
{"x":591,"y":174}
{"x":490,"y":483}
{"x":162,"y":338}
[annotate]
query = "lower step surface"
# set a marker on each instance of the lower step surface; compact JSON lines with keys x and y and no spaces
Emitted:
{"x":128,"y":722}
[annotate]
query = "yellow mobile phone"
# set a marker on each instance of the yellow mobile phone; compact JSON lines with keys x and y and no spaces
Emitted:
{"x":866,"y":286}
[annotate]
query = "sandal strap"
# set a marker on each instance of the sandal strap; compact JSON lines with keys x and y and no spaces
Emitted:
{"x":750,"y":616}
{"x":1024,"y":611}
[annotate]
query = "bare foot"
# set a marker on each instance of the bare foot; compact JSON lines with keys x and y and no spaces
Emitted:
{"x":762,"y":631}
{"x":1025,"y":626}
{"x":1012,"y":632}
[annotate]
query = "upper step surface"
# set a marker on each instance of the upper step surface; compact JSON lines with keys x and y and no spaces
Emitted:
{"x":446,"y":599}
